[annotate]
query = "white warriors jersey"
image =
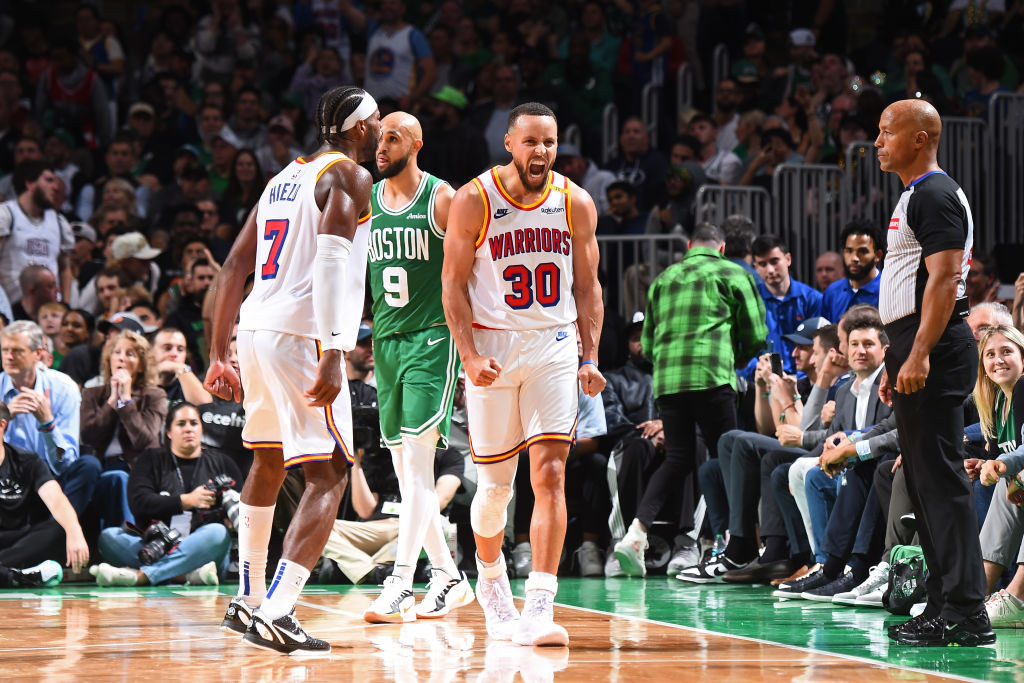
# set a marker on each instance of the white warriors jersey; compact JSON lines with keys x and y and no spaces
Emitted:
{"x":286,"y":224}
{"x":522,"y":276}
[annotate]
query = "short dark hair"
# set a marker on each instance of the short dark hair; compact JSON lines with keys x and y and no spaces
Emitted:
{"x":828,"y":336}
{"x":766,"y":137}
{"x":707,"y":232}
{"x":198,"y":262}
{"x":988,"y":60}
{"x":123,"y":279}
{"x":87,"y":316}
{"x":765,"y":243}
{"x":860,"y":315}
{"x":173,"y":411}
{"x":861,"y":226}
{"x":27,"y":172}
{"x":739,"y":234}
{"x":987,"y":261}
{"x":868,"y":323}
{"x":5,"y":413}
{"x":623,"y":185}
{"x":689,"y":141}
{"x":704,"y":118}
{"x":529,"y":109}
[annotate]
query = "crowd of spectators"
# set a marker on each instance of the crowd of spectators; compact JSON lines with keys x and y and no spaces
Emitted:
{"x":134,"y":142}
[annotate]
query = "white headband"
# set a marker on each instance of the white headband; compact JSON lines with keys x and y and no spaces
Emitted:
{"x":362,"y":112}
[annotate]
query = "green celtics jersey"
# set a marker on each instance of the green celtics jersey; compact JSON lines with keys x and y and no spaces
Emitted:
{"x":406,"y":252}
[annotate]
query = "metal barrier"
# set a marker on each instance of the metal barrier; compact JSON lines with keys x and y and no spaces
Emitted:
{"x":808,"y":215}
{"x":867,"y":191}
{"x":609,"y":133}
{"x":631,"y":262}
{"x":719,"y":67}
{"x":1005,"y":222}
{"x":715,"y":203}
{"x":650,"y":101}
{"x":964,"y":154}
{"x":684,"y":87}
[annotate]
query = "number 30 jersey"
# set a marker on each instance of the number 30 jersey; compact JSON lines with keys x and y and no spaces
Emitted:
{"x":287,"y":218}
{"x":406,"y":254}
{"x":522,"y":275}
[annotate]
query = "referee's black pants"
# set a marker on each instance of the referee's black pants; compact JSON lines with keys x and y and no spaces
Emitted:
{"x":931,"y":431}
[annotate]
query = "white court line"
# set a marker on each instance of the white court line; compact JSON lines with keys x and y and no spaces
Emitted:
{"x":807,"y":650}
{"x":332,"y":610}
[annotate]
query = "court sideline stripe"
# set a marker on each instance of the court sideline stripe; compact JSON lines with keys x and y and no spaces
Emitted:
{"x":807,"y":650}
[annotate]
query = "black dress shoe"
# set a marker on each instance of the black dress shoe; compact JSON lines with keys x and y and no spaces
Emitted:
{"x":755,"y":572}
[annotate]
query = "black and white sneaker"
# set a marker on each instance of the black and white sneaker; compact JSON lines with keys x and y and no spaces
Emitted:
{"x":708,"y":571}
{"x":284,"y":635}
{"x":238,"y":616}
{"x":796,"y":589}
{"x":444,"y":594}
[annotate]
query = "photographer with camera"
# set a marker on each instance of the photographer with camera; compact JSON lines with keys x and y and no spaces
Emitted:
{"x":190,"y":496}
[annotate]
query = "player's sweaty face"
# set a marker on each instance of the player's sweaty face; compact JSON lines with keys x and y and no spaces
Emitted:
{"x":533,"y":142}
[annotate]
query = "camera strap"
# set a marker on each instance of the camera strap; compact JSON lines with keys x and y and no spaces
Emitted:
{"x":183,"y":520}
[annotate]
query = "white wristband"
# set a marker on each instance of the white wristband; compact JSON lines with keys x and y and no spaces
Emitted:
{"x":332,"y":252}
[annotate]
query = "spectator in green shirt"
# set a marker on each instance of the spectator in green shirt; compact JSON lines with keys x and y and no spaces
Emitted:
{"x":704,"y":315}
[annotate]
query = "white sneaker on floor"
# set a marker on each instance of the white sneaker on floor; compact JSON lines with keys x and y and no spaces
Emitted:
{"x":204,"y":576}
{"x":537,"y":624}
{"x":612,"y":568}
{"x":109,"y":575}
{"x":877,"y":581}
{"x":394,"y":605}
{"x":500,"y":614}
{"x":630,"y":553}
{"x":444,"y":594}
{"x":1005,"y":610}
{"x":685,"y":553}
{"x":522,"y":559}
{"x":589,"y":557}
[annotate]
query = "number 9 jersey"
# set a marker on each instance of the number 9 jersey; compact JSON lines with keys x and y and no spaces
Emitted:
{"x":522,"y":275}
{"x":406,"y":254}
{"x":287,"y":218}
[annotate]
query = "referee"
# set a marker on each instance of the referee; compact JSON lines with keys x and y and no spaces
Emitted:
{"x":931,"y":367}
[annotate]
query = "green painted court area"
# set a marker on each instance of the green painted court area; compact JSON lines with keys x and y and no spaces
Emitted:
{"x":745,"y":611}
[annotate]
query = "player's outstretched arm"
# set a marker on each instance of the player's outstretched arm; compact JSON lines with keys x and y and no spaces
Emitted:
{"x":343,"y":195}
{"x":221,"y":379}
{"x":586,"y":287}
{"x":467,"y":219}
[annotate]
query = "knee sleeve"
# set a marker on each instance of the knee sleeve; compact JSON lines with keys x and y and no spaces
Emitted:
{"x":488,"y":511}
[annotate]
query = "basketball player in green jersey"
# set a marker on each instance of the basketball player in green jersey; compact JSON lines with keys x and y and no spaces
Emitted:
{"x":416,"y":364}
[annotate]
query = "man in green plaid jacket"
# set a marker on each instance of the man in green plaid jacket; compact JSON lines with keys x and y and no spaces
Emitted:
{"x":704,"y":318}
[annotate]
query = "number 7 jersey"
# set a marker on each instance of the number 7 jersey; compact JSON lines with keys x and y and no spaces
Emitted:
{"x":522,"y":275}
{"x":287,"y":219}
{"x":406,"y":254}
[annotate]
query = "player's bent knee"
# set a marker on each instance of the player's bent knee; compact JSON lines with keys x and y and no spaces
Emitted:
{"x":488,"y":510}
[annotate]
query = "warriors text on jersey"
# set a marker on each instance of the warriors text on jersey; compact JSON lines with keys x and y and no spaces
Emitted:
{"x":286,"y":223}
{"x":406,"y":253}
{"x":522,"y":276}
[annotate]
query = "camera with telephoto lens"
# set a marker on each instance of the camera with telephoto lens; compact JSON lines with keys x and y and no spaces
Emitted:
{"x":225,"y":503}
{"x":366,"y":428}
{"x":158,"y":540}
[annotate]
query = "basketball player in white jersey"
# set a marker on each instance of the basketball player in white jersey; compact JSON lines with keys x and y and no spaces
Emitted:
{"x":307,"y":241}
{"x":520,"y":265}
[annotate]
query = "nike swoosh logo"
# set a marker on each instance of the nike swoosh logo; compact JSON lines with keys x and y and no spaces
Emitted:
{"x":431,"y":342}
{"x":294,"y":637}
{"x":378,"y":215}
{"x":335,"y":334}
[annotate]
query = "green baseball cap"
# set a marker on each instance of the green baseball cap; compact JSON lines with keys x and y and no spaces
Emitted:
{"x":452,"y":96}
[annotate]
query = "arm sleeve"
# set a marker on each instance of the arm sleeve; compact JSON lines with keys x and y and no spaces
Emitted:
{"x":332,"y":254}
{"x":419,"y":44}
{"x":937,"y":217}
{"x":61,"y":438}
{"x":142,"y":418}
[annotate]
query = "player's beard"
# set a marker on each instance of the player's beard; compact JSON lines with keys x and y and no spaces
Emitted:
{"x":395,"y":167}
{"x":40,"y":199}
{"x":524,"y":177}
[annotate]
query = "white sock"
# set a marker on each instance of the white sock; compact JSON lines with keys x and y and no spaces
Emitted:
{"x":541,"y":581}
{"x":491,"y":570}
{"x":254,"y":527}
{"x":419,"y":524}
{"x":289,"y":579}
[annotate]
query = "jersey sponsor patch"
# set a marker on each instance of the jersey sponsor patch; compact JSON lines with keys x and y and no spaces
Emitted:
{"x":894,"y":223}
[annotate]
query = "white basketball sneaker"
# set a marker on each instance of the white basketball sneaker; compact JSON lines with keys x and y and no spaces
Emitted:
{"x":537,"y":624}
{"x":500,"y":614}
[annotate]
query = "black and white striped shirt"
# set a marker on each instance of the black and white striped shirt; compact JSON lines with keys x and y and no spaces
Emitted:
{"x":932,"y":215}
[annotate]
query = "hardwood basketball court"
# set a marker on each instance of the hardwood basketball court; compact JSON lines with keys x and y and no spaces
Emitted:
{"x":620,"y":630}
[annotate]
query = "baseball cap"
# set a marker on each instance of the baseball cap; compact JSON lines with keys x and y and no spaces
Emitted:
{"x":803,"y":332}
{"x":228,"y":136}
{"x":745,"y":71}
{"x":569,"y":150}
{"x":122,"y":321}
{"x":83,"y":231}
{"x":753,"y":32}
{"x":365,"y":331}
{"x":141,"y":108}
{"x":802,"y":37}
{"x":451,"y":95}
{"x":132,"y":245}
{"x":281,"y":121}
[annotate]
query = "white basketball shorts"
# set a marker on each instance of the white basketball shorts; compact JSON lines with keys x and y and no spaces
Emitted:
{"x":276,"y":369}
{"x":535,"y":398}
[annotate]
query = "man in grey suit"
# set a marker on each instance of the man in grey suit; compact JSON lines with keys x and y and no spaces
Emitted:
{"x":854,"y":531}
